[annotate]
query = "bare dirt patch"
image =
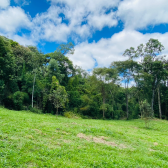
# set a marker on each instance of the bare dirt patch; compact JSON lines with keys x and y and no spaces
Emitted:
{"x":102,"y":140}
{"x":122,"y":146}
{"x":83,"y":136}
{"x":37,"y":131}
{"x":155,"y":143}
{"x":74,"y":123}
{"x":67,"y":141}
{"x":151,"y":150}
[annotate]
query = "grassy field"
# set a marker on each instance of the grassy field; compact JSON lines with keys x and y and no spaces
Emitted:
{"x":39,"y":140}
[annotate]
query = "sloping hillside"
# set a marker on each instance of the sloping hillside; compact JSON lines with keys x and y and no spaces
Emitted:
{"x":39,"y":140}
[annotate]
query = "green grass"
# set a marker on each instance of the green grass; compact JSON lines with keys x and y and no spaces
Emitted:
{"x":39,"y":140}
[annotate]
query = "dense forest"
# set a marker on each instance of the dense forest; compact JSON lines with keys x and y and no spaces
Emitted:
{"x":50,"y":83}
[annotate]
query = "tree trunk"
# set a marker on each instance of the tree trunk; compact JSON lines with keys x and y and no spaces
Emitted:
{"x":33,"y":88}
{"x":57,"y":110}
{"x":153,"y":94}
{"x":127,"y":100}
{"x":103,"y":106}
{"x":140,"y":106}
{"x":160,"y":112}
{"x":127,"y":105}
{"x":112,"y":114}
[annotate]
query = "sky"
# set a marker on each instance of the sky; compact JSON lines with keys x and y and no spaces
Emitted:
{"x":101,"y":30}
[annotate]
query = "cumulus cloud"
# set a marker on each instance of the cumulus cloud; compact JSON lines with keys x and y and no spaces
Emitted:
{"x":82,"y":19}
{"x":90,"y":11}
{"x":106,"y":51}
{"x":88,"y":5}
{"x":48,"y":26}
{"x":13,"y":18}
{"x":99,"y":21}
{"x":23,"y":40}
{"x":78,"y":20}
{"x":4,"y":4}
{"x":138,"y":14}
{"x":22,"y":2}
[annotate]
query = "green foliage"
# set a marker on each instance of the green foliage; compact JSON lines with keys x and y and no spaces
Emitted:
{"x":54,"y":70}
{"x":147,"y":113}
{"x":70,"y":114}
{"x":7,"y":66}
{"x":2,"y":86}
{"x":54,"y":84}
{"x":59,"y":97}
{"x":35,"y":110}
{"x":49,"y":80}
{"x":20,"y":98}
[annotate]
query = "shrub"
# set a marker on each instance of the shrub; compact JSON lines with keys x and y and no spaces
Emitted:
{"x":19,"y":98}
{"x":35,"y":110}
{"x":147,"y":113}
{"x":8,"y":102}
{"x":70,"y":114}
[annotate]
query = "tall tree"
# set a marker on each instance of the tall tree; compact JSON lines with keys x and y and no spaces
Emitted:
{"x":148,"y":69}
{"x":126,"y":70}
{"x":58,"y":95}
{"x":101,"y":79}
{"x":7,"y":68}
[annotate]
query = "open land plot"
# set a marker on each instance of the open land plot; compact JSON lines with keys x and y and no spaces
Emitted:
{"x":42,"y":140}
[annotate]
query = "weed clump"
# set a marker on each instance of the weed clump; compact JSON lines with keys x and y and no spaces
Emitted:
{"x":70,"y":114}
{"x":147,"y":113}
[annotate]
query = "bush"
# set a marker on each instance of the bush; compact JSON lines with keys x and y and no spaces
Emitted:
{"x":8,"y":102}
{"x":19,"y":98}
{"x":119,"y":114}
{"x":35,"y":110}
{"x":86,"y":117}
{"x":70,"y":114}
{"x":147,"y":113}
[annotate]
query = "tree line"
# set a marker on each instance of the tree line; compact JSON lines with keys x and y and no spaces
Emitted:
{"x":50,"y":83}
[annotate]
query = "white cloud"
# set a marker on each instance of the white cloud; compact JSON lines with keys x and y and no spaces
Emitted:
{"x":23,"y":40}
{"x":93,"y":12}
{"x":101,"y":20}
{"x":138,"y":14}
{"x":87,"y":4}
{"x":83,"y":18}
{"x":22,"y":2}
{"x":4,"y":4}
{"x":56,"y":33}
{"x":51,"y":27}
{"x":13,"y":18}
{"x":106,"y":51}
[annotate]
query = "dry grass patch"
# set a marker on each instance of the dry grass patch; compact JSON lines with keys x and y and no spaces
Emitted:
{"x":67,"y":141}
{"x":102,"y":140}
{"x":29,"y":136}
{"x":83,"y":136}
{"x":152,"y":150}
{"x":155,"y":143}
{"x":38,"y":131}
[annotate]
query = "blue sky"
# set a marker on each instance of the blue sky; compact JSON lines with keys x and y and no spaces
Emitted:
{"x":101,"y":30}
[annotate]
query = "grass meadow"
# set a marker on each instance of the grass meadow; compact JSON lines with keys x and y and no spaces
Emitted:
{"x":42,"y":140}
